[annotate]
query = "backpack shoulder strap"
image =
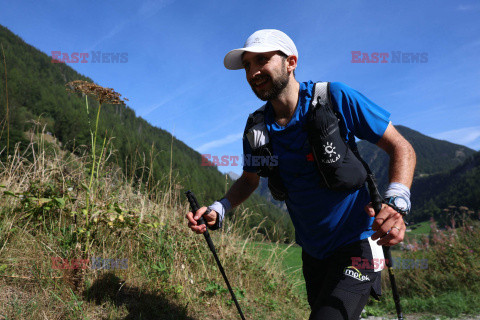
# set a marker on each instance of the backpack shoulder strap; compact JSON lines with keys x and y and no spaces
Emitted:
{"x":321,"y":94}
{"x":256,"y":131}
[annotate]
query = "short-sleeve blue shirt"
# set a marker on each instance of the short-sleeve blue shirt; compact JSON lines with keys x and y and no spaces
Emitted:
{"x":323,"y":219}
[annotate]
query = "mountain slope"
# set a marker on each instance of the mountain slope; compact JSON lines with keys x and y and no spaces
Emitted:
{"x":459,"y":187}
{"x":433,"y":155}
{"x":36,"y":94}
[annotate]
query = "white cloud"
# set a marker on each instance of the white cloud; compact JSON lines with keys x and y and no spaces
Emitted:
{"x":220,"y":142}
{"x":468,"y":136}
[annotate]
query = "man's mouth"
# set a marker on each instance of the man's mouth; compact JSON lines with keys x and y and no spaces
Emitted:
{"x":260,"y":82}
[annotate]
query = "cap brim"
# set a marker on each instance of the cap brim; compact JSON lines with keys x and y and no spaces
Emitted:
{"x":233,"y":59}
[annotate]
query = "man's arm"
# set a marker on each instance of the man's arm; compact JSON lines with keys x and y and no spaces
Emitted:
{"x":241,"y":189}
{"x":401,"y":169}
{"x":402,"y":156}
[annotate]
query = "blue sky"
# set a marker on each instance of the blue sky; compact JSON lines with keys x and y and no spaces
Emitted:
{"x":175,"y":78}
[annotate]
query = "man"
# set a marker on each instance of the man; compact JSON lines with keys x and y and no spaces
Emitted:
{"x":337,"y":229}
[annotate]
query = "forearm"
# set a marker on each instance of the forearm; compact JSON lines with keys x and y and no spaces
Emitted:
{"x":238,"y":192}
{"x":402,"y":164}
{"x":402,"y":156}
{"x":241,"y":189}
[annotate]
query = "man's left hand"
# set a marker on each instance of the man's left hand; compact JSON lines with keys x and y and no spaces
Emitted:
{"x":388,"y":224}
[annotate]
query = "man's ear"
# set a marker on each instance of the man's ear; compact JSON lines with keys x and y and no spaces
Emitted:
{"x":291,"y":63}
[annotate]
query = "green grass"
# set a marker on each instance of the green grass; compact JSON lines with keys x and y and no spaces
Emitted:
{"x":422,"y":228}
{"x":450,"y":304}
{"x":418,"y":232}
{"x":291,"y":258}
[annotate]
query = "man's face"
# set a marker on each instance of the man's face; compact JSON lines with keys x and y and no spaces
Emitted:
{"x":266,"y":73}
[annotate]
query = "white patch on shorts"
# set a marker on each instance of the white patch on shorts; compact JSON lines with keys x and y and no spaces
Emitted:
{"x":377,"y":253}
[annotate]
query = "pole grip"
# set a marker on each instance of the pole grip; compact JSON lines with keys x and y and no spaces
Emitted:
{"x":374,"y":194}
{"x":194,"y":206}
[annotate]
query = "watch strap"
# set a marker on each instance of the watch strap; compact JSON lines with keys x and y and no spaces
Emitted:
{"x":389,"y":201}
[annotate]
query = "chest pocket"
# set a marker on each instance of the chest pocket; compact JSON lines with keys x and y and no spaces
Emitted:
{"x":339,"y":167}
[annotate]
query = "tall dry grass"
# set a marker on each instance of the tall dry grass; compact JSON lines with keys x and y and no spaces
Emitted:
{"x":171,"y":273}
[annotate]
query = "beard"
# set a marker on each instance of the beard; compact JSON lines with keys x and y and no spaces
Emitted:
{"x":278,"y":85}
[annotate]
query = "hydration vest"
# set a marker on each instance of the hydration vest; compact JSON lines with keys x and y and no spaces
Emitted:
{"x":339,"y":164}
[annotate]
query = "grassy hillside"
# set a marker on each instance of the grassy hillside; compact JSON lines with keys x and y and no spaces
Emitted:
{"x":52,"y":218}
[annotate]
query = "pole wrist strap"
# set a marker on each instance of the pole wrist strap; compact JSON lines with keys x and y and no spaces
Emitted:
{"x":221,"y":207}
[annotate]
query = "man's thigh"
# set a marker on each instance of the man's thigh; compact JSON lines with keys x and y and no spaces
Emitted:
{"x":338,"y":287}
{"x":315,"y":273}
{"x":339,"y":305}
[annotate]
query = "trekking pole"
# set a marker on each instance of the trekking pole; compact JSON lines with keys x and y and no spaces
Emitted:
{"x":377,"y":206}
{"x":194,"y":205}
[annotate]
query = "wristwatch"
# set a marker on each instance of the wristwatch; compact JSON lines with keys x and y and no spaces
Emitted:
{"x":399,"y":203}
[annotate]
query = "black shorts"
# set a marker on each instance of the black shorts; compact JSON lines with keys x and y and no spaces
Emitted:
{"x":338,"y":286}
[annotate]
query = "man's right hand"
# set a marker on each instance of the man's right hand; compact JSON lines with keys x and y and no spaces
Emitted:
{"x":210,"y":219}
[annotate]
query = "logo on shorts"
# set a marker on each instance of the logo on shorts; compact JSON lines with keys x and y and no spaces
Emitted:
{"x":355,"y":273}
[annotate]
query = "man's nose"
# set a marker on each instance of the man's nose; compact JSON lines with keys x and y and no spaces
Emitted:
{"x":253,"y":72}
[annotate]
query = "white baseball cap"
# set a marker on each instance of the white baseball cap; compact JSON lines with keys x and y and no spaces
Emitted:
{"x":265,"y":40}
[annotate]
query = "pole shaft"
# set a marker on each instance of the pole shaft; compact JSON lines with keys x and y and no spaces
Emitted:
{"x":194,"y":206}
{"x":228,"y":285}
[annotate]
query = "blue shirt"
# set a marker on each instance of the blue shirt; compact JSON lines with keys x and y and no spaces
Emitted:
{"x":323,"y":219}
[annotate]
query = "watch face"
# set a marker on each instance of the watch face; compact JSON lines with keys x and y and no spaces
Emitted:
{"x":401,"y":203}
